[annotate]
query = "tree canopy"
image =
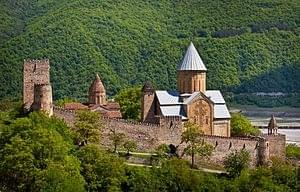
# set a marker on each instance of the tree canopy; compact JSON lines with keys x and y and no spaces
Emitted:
{"x":37,"y":153}
{"x":241,"y":126}
{"x":247,"y":46}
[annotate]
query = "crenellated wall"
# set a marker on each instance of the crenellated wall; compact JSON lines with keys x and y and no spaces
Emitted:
{"x":223,"y":146}
{"x":168,"y":130}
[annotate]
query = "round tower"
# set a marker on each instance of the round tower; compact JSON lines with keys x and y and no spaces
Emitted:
{"x":43,"y":98}
{"x":97,"y":93}
{"x":191,"y":73}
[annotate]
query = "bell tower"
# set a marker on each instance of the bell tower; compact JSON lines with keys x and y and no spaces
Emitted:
{"x":191,"y":73}
{"x":148,"y":103}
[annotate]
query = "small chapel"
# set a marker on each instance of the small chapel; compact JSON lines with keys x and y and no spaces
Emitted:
{"x":98,"y":102}
{"x":191,"y":101}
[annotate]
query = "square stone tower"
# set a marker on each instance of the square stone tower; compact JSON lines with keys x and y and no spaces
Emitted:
{"x":36,"y":72}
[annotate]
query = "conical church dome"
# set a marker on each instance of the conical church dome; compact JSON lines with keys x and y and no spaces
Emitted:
{"x":191,"y":60}
{"x":97,"y":93}
{"x":97,"y":85}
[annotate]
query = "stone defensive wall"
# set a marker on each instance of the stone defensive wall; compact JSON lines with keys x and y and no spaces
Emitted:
{"x":223,"y":146}
{"x":149,"y":136}
{"x":67,"y":115}
{"x":276,"y":144}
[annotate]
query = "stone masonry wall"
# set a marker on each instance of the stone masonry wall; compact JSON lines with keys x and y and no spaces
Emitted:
{"x":67,"y":115}
{"x":34,"y":72}
{"x":149,"y":136}
{"x":224,"y":146}
{"x":276,"y":145}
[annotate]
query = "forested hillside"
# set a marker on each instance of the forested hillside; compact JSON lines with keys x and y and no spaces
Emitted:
{"x":247,"y":46}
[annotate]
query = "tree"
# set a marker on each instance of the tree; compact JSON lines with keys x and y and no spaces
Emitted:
{"x":35,"y":155}
{"x":87,"y":127}
{"x":237,"y":161}
{"x":293,"y":151}
{"x":102,"y":171}
{"x":241,"y":126}
{"x":62,"y":102}
{"x":116,"y":138}
{"x":162,"y":151}
{"x":130,"y":146}
{"x":130,"y":102}
{"x":195,"y":146}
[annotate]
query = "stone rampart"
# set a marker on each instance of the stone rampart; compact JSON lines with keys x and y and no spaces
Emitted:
{"x":223,"y":146}
{"x":67,"y":115}
{"x":149,"y":136}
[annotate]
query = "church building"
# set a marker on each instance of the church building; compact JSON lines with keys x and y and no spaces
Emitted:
{"x":191,"y":101}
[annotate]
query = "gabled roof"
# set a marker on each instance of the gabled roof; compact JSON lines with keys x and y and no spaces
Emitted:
{"x":193,"y":95}
{"x":221,"y":112}
{"x":191,"y":60}
{"x":175,"y":110}
{"x":170,"y":104}
{"x":75,"y":106}
{"x":215,"y":96}
{"x":167,"y":97}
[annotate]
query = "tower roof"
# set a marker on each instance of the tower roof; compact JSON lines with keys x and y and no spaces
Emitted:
{"x":272,"y":123}
{"x":97,"y":85}
{"x":191,"y":60}
{"x":147,"y":86}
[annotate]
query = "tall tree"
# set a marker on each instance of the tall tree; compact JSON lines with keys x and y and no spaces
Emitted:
{"x":116,"y":138}
{"x":87,"y":127}
{"x":102,"y":171}
{"x":35,"y":156}
{"x":130,"y":102}
{"x":194,"y":144}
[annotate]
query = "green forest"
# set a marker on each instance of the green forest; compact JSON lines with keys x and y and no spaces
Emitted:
{"x":38,"y":153}
{"x":248,"y":46}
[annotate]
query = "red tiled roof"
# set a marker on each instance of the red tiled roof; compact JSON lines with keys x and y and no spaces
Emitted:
{"x":110,"y":110}
{"x":75,"y":106}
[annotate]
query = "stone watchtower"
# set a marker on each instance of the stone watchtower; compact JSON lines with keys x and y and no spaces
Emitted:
{"x":37,"y":91}
{"x":148,"y":103}
{"x":97,"y":93}
{"x":191,"y":73}
{"x":43,"y":98}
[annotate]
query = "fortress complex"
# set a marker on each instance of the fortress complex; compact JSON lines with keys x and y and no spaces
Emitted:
{"x":37,"y":92}
{"x":163,"y":112}
{"x":191,"y":102}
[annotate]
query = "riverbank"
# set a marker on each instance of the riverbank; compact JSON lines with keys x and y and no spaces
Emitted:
{"x":286,"y":117}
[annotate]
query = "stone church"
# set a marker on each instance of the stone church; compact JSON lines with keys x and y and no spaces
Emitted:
{"x":191,"y":101}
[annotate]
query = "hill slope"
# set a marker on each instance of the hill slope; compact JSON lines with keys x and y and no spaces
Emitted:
{"x":247,"y":46}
